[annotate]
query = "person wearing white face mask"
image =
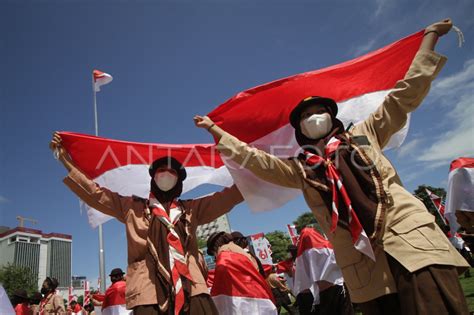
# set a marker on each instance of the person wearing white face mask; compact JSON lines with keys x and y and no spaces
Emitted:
{"x":393,"y":256}
{"x":164,"y":274}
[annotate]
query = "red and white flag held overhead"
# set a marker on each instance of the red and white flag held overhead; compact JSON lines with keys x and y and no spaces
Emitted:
{"x":437,"y":202}
{"x":460,"y":194}
{"x":122,"y":166}
{"x":249,"y":292}
{"x":100,"y":78}
{"x":259,"y":116}
{"x":293,"y":233}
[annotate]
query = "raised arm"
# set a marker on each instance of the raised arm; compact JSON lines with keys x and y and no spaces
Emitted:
{"x":408,"y":93}
{"x":97,"y":197}
{"x":265,"y":166}
{"x":209,"y":208}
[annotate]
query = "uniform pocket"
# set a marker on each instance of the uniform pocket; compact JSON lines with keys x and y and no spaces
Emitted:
{"x":419,"y":231}
{"x":356,"y":268}
{"x":135,"y":279}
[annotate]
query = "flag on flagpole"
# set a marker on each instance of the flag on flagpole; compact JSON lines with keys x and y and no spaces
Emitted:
{"x":460,"y":194}
{"x":249,"y":292}
{"x":122,"y":166}
{"x":437,"y":202}
{"x":315,"y":261}
{"x":259,"y":116}
{"x":100,"y":78}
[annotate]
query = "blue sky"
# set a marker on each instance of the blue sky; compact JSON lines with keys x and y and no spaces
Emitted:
{"x":173,"y":59}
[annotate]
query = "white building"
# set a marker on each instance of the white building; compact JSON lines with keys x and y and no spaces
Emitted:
{"x":219,"y":224}
{"x":46,"y":255}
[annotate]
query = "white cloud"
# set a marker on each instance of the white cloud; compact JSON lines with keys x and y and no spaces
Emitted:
{"x":380,"y":7}
{"x":457,"y":92}
{"x":408,"y":148}
{"x":3,"y":199}
{"x":359,"y":50}
{"x":452,"y":85}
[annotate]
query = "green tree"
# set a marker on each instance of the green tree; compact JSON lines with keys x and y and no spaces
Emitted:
{"x":279,"y":241}
{"x":421,"y":194}
{"x":201,"y":242}
{"x":306,"y":219}
{"x":14,"y":277}
{"x":80,"y":300}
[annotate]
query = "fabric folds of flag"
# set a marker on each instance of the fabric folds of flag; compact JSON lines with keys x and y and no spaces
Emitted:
{"x":122,"y":166}
{"x":113,"y":301}
{"x":100,"y":78}
{"x":259,"y":116}
{"x":315,"y":261}
{"x":460,"y":193}
{"x":248,"y":294}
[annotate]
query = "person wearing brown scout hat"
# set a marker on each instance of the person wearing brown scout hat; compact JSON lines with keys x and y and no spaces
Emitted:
{"x":393,"y":256}
{"x":52,"y":303}
{"x":164,"y":272}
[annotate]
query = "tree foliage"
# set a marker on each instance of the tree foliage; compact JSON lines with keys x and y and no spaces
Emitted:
{"x":421,"y":194}
{"x":201,"y":242}
{"x":306,"y":219}
{"x":279,"y":241}
{"x":14,"y":277}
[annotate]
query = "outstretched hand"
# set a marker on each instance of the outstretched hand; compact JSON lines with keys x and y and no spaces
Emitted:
{"x":203,"y":122}
{"x":441,"y":27}
{"x":60,"y":152}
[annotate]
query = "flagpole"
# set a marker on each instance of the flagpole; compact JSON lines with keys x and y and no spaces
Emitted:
{"x":101,"y":239}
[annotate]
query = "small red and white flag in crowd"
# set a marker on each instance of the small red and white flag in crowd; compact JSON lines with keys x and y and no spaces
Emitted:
{"x":100,"y":78}
{"x":70,"y":295}
{"x":249,"y":292}
{"x":460,"y":194}
{"x":437,"y":202}
{"x":262,"y":248}
{"x":293,"y":233}
{"x":122,"y":166}
{"x":113,"y":301}
{"x":315,"y":261}
{"x":259,"y":116}
{"x":86,"y":293}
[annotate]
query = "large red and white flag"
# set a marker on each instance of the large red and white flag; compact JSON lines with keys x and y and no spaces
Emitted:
{"x":460,"y":194}
{"x":259,"y":116}
{"x":113,"y":301}
{"x":122,"y":166}
{"x":239,"y":288}
{"x":100,"y":78}
{"x":315,"y":261}
{"x":437,"y":202}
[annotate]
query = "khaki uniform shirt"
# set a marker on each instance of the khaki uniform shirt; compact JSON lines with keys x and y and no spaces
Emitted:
{"x":55,"y":305}
{"x":130,"y":211}
{"x":410,"y":233}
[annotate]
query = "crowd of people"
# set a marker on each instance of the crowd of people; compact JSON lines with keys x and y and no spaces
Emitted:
{"x":381,"y":249}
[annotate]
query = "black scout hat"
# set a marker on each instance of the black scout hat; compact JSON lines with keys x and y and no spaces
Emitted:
{"x":295,"y":115}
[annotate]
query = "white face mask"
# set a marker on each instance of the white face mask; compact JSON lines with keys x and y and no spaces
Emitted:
{"x":316,"y":126}
{"x":165,"y":180}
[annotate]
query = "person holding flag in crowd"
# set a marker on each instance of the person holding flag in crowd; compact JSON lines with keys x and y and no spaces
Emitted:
{"x":393,"y":256}
{"x":238,"y":287}
{"x":113,"y":301}
{"x":164,"y":275}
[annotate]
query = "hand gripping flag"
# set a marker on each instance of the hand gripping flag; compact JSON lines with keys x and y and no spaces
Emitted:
{"x":100,"y":78}
{"x":122,"y":166}
{"x":315,"y":261}
{"x":259,"y":116}
{"x":460,"y":194}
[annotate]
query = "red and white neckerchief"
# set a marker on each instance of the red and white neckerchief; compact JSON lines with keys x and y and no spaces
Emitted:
{"x":359,"y":237}
{"x":177,"y":259}
{"x":45,"y":301}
